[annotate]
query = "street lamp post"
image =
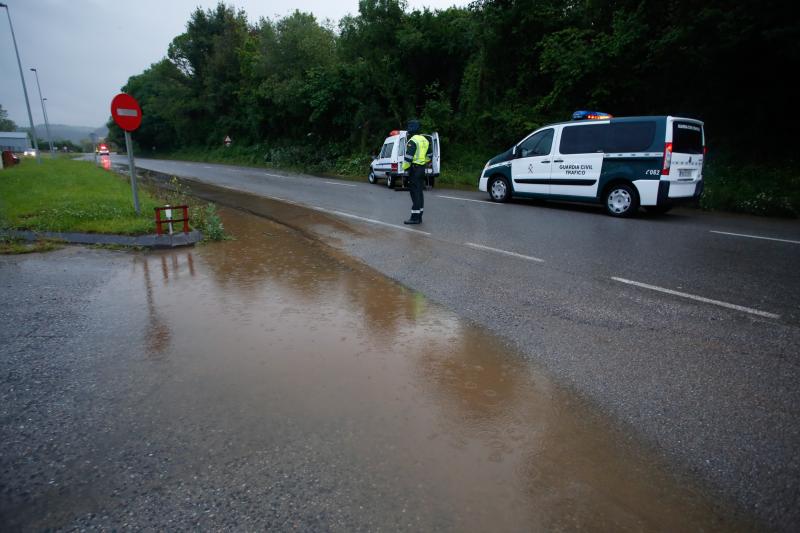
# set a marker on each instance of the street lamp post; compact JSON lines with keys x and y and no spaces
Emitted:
{"x":44,"y":112}
{"x":24,"y":88}
{"x":47,"y":125}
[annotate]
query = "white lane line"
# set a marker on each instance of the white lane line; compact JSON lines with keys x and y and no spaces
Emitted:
{"x":466,"y":199}
{"x":207,"y":166}
{"x":504,"y":252}
{"x":342,"y":184}
{"x":754,"y":237}
{"x":698,"y":298}
{"x":364,"y":219}
{"x":276,"y":176}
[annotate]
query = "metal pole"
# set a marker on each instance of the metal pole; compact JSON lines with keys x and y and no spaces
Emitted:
{"x":129,"y":146}
{"x":24,"y":88}
{"x":44,"y":113}
{"x":47,"y":125}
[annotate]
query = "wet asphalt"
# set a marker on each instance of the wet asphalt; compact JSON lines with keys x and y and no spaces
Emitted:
{"x":713,"y":388}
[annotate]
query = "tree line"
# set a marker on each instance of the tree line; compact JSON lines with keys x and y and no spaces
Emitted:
{"x":482,"y":75}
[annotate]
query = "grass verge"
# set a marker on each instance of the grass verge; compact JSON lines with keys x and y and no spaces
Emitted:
{"x":75,"y":196}
{"x":18,"y":246}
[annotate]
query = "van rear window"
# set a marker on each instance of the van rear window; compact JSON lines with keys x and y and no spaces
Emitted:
{"x":630,"y":136}
{"x":687,"y":138}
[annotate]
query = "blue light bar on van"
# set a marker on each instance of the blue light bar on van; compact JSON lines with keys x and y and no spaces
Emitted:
{"x":590,"y":115}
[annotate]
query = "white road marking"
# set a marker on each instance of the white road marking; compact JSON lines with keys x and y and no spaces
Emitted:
{"x":364,"y":219}
{"x":207,"y":166}
{"x":754,"y":237}
{"x":465,"y":199}
{"x":504,"y":252}
{"x":276,"y":176}
{"x":698,"y":298}
{"x":342,"y":184}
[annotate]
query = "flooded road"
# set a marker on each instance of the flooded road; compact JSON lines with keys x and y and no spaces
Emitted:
{"x":267,"y":381}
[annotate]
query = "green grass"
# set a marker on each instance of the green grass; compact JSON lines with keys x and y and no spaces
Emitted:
{"x":18,"y":246}
{"x":67,"y":195}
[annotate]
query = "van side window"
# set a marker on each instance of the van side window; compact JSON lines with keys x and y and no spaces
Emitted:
{"x":386,"y":151}
{"x":630,"y":136}
{"x":538,"y":144}
{"x":583,"y":139}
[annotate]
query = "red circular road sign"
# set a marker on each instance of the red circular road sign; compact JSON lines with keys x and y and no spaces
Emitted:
{"x":126,"y":112}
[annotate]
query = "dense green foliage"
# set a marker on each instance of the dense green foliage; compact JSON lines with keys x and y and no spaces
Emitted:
{"x":300,"y":92}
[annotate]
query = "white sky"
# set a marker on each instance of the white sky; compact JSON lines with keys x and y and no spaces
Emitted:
{"x":85,"y":50}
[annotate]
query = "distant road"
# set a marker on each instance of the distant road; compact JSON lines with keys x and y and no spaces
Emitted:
{"x":685,"y":326}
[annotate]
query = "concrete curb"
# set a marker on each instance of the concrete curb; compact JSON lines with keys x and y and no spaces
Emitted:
{"x":145,"y":241}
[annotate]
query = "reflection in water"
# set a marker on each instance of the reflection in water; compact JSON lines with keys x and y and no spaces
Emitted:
{"x":157,"y":333}
{"x":432,"y":410}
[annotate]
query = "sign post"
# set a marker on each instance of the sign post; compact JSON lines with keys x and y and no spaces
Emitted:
{"x":128,"y":116}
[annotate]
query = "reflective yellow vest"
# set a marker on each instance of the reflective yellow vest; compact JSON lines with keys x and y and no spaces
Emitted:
{"x":420,"y":154}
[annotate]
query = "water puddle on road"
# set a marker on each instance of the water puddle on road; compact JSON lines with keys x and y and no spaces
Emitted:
{"x":392,"y":408}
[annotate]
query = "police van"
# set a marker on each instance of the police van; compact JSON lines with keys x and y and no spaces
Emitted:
{"x":388,"y":164}
{"x":621,"y":163}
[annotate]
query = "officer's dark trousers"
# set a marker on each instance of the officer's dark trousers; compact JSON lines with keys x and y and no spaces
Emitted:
{"x":416,"y":184}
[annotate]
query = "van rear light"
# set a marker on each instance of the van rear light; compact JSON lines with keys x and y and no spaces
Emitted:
{"x":667,"y":159}
{"x":705,"y":150}
{"x":394,"y":167}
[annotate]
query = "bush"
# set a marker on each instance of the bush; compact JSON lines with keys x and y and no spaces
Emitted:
{"x":767,"y":191}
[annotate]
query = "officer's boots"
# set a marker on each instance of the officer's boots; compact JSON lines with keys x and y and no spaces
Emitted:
{"x":416,"y":218}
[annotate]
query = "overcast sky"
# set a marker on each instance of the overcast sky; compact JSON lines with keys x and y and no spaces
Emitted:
{"x":85,"y":50}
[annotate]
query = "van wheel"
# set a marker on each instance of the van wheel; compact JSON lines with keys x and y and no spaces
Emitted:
{"x":390,"y":182}
{"x":621,"y":200}
{"x":499,"y":190}
{"x":372,"y":179}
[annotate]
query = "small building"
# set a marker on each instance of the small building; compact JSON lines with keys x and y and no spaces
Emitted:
{"x":16,"y":141}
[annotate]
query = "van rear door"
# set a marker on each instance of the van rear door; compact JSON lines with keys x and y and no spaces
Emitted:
{"x":436,"y":159}
{"x":687,"y":140}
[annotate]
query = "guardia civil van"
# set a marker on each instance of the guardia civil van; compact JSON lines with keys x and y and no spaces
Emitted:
{"x":621,"y":163}
{"x":388,"y":164}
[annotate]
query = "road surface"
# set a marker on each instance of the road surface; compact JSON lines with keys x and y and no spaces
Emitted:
{"x":684,"y":327}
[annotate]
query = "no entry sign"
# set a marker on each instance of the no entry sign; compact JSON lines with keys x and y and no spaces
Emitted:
{"x":126,"y":112}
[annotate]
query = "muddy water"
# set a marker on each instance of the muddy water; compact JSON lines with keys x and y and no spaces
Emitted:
{"x":417,"y":418}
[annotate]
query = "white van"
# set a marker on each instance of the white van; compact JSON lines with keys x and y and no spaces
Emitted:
{"x":621,"y":163}
{"x":388,"y":164}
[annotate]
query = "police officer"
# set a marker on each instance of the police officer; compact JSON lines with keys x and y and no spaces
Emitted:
{"x":416,"y":159}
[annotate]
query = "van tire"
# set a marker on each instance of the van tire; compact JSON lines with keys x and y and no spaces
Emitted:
{"x":620,"y":200}
{"x":499,"y":189}
{"x":372,"y":179}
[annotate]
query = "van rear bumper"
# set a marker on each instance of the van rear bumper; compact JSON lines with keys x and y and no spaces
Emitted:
{"x":672,"y":193}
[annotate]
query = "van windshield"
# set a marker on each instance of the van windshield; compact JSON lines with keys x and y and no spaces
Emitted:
{"x":687,"y":138}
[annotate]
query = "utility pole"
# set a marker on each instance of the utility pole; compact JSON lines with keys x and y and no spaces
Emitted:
{"x":24,"y":88}
{"x":44,"y":112}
